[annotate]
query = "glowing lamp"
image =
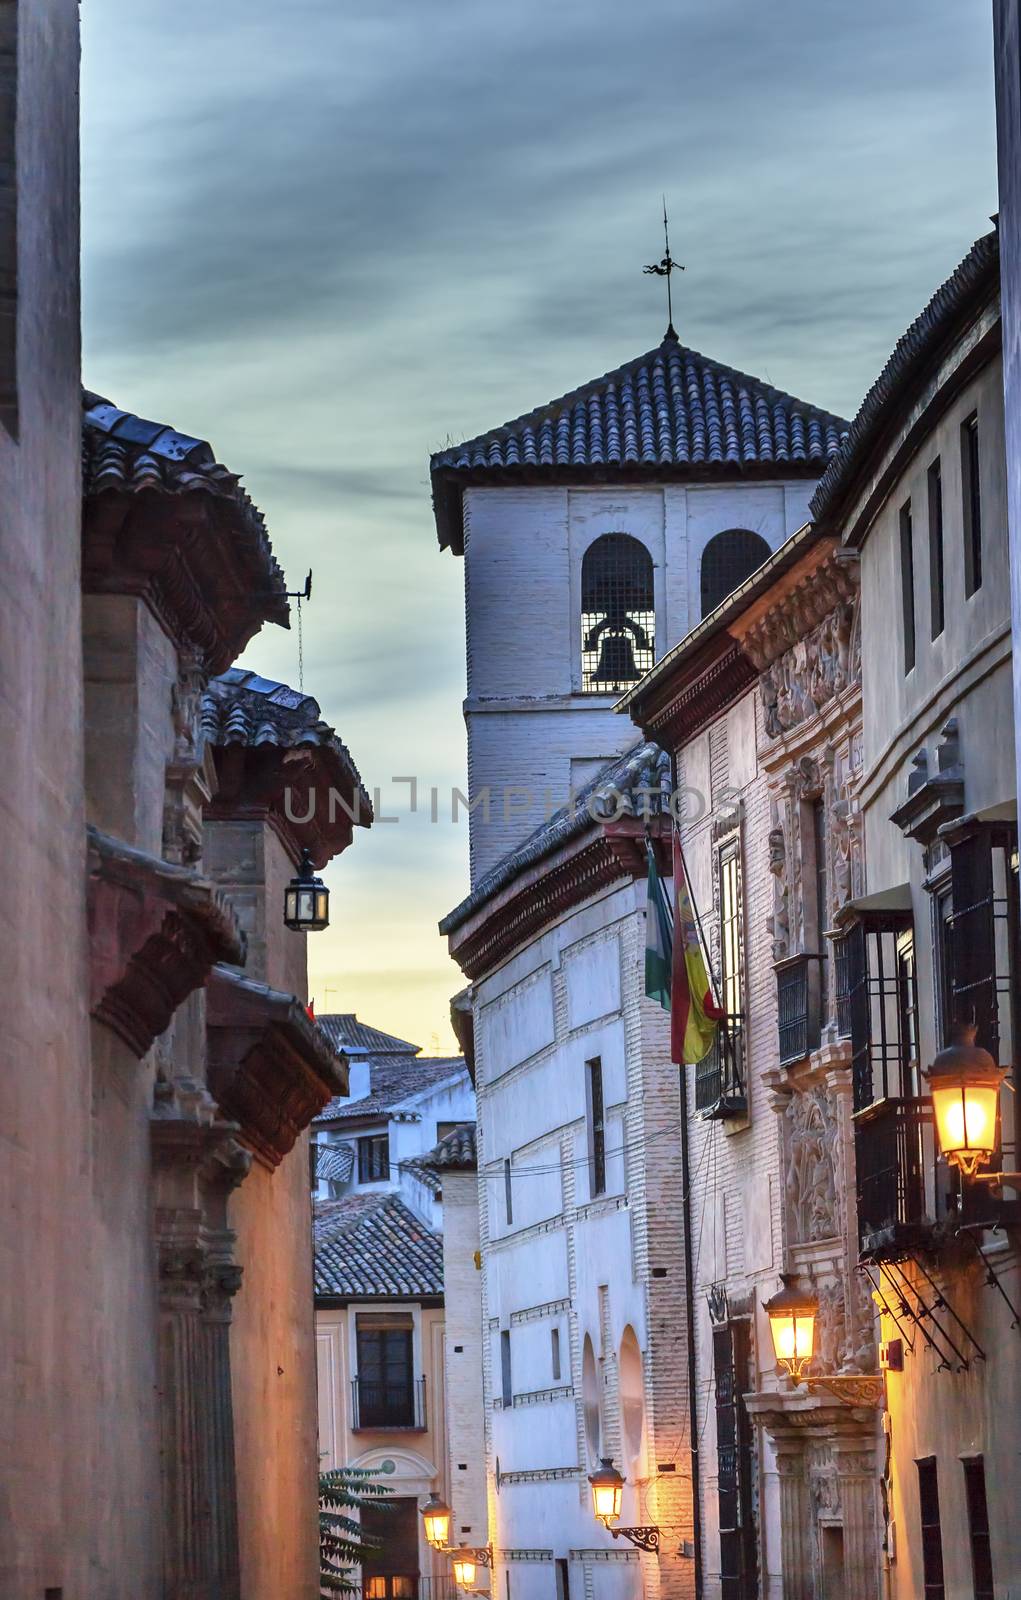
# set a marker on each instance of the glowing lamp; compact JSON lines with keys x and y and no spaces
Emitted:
{"x":964,"y":1081}
{"x":465,"y":1569}
{"x":306,"y":900}
{"x":607,"y":1492}
{"x":436,"y":1515}
{"x":791,"y":1316}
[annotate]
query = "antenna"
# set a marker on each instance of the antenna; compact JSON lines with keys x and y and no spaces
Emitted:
{"x":663,"y":269}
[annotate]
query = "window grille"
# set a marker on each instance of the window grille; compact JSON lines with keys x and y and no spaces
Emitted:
{"x":932,"y":1533}
{"x":797,"y":1009}
{"x":978,"y":1528}
{"x":727,"y":560}
{"x":734,"y":1446}
{"x":618,"y":614}
{"x":719,"y":1076}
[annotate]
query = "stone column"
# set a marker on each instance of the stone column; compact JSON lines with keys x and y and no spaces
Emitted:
{"x":857,"y":1478}
{"x":196,"y":1162}
{"x":795,"y":1541}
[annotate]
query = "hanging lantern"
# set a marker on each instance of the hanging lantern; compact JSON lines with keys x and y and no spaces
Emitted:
{"x":306,"y":900}
{"x":792,"y":1327}
{"x":607,"y":1492}
{"x":965,"y":1084}
{"x":436,"y":1514}
{"x":465,"y":1568}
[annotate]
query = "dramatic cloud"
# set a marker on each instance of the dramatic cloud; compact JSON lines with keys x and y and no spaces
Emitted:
{"x":331,"y":238}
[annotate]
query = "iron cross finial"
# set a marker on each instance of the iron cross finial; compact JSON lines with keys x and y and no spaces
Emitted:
{"x":663,"y":269}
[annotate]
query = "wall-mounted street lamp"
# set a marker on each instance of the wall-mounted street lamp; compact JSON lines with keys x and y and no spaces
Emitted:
{"x":306,"y":900}
{"x":436,"y":1515}
{"x":465,"y":1559}
{"x":792,"y":1313}
{"x":607,"y":1498}
{"x":792,"y":1317}
{"x":965,"y":1084}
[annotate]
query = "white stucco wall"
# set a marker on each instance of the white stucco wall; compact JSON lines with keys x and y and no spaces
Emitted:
{"x":579,"y":1264}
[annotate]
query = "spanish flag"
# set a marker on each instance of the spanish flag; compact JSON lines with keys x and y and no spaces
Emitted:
{"x":675,"y":969}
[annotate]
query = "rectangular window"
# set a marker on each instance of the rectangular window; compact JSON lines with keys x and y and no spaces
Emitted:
{"x":596,"y":1127}
{"x":907,"y":584}
{"x":508,"y":1193}
{"x":735,"y":1454}
{"x":935,"y":480}
{"x":822,"y":888}
{"x":374,"y":1158}
{"x":972,"y":484}
{"x":563,"y":1579}
{"x":932,"y":1534}
{"x":506,"y":1387}
{"x":731,"y":931}
{"x":719,"y":1076}
{"x":978,"y":1528}
{"x":384,"y":1386}
{"x":555,"y":1352}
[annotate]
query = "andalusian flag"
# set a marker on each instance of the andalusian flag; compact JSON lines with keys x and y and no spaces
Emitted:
{"x":675,"y":969}
{"x":659,"y":937}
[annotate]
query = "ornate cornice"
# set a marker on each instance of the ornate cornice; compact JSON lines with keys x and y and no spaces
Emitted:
{"x":795,"y":605}
{"x":155,"y":931}
{"x":306,"y":795}
{"x":697,"y":695}
{"x":271,"y":1067}
{"x":604,"y":855}
{"x":196,"y":560}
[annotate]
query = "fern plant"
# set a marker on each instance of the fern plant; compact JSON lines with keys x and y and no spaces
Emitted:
{"x":343,"y":1545}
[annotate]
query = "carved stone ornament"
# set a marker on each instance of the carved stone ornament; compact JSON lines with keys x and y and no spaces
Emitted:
{"x":191,"y":771}
{"x":801,"y":681}
{"x":155,"y":931}
{"x":810,"y":1176}
{"x":271,"y":1067}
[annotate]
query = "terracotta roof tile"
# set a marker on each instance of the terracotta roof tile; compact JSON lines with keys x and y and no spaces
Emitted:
{"x":369,"y":1246}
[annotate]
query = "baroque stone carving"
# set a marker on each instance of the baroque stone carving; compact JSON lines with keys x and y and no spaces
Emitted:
{"x":797,"y":684}
{"x":810,"y":1176}
{"x":190,"y":778}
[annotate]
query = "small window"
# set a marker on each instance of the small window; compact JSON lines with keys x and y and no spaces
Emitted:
{"x":936,"y":603}
{"x":596,"y":1127}
{"x":508,"y":1193}
{"x":374,"y":1158}
{"x":932,"y":1534}
{"x":506,"y":1389}
{"x":972,"y":483}
{"x":978,"y":1528}
{"x":727,"y":560}
{"x":554,"y":1340}
{"x":907,"y":584}
{"x":618,"y":614}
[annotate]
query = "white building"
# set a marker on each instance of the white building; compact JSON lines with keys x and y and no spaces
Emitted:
{"x":379,"y":1283}
{"x":596,"y":531}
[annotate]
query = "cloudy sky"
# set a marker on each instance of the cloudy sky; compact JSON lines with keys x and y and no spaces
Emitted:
{"x":331,"y":237}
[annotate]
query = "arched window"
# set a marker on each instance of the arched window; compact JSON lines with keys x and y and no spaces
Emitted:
{"x":727,"y":560}
{"x":618,"y":613}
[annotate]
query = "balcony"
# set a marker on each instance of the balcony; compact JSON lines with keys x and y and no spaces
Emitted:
{"x":388,"y":1407}
{"x":719,"y":1076}
{"x":798,"y":1008}
{"x":893,"y":1152}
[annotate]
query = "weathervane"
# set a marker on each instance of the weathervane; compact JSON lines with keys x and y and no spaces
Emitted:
{"x":663,"y":269}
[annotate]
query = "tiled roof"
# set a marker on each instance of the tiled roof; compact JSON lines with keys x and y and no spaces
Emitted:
{"x":370,"y":1246}
{"x":455,"y":1152}
{"x":967,"y":288}
{"x":392,"y":1080}
{"x":349,"y":1034}
{"x":671,"y":413}
{"x":241,"y":708}
{"x":612,"y":793}
{"x":128,"y":455}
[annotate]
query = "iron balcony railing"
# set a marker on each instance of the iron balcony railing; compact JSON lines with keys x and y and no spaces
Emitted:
{"x":893,"y":1152}
{"x":798,"y":1007}
{"x":399,"y":1404}
{"x":719,"y":1076}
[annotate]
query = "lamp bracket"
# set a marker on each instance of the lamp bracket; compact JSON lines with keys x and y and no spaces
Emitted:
{"x":482,"y":1555}
{"x":854,"y":1389}
{"x":643,"y":1538}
